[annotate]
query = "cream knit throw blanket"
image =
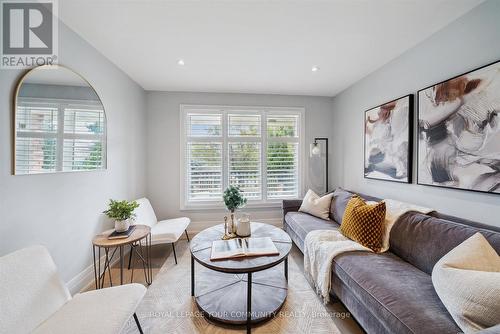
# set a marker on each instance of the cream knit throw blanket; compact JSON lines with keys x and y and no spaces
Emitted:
{"x":322,"y":246}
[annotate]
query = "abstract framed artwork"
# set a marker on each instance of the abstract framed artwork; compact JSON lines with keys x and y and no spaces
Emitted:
{"x":459,"y":132}
{"x":388,"y":141}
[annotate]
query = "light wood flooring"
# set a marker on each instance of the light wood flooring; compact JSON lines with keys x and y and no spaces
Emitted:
{"x":169,"y":308}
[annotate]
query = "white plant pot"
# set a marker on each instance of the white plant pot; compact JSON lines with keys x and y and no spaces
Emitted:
{"x":122,"y":225}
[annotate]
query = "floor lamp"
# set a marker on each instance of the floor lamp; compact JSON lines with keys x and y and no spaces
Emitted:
{"x":316,"y":151}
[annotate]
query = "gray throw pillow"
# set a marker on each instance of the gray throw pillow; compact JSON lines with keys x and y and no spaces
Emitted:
{"x":339,"y":202}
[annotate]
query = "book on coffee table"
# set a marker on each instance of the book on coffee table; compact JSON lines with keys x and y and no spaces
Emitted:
{"x":121,"y":235}
{"x":238,"y":247}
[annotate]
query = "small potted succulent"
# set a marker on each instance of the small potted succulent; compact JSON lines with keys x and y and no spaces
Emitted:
{"x":233,"y":199}
{"x":122,"y":212}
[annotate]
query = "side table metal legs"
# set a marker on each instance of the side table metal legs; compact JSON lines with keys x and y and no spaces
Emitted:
{"x":142,"y":252}
{"x":145,"y":256}
{"x":121,"y":265}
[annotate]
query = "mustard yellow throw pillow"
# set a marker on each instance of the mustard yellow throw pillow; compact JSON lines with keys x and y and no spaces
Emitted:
{"x":364,"y":223}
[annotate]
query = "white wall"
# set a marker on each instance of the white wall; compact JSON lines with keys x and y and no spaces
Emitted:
{"x":164,"y":149}
{"x":471,"y":41}
{"x":63,"y":211}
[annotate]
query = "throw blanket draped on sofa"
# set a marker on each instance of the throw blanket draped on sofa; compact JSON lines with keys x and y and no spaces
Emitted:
{"x":322,"y":246}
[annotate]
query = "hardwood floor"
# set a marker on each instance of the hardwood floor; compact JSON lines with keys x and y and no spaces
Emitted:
{"x":171,"y":285}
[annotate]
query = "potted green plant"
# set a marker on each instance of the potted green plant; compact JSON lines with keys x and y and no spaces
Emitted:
{"x":233,"y":199}
{"x":122,"y":212}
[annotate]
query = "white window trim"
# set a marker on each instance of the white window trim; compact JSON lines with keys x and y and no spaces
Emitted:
{"x":217,"y":205}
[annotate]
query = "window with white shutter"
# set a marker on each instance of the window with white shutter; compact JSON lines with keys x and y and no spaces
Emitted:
{"x":257,"y":149}
{"x":59,"y":135}
{"x":282,"y":156}
{"x":244,"y":165}
{"x":204,"y":171}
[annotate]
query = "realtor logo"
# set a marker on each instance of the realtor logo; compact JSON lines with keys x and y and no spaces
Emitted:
{"x":29,"y":33}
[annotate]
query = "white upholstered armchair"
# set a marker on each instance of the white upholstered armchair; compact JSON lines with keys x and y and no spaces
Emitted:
{"x":33,"y":299}
{"x":162,"y":232}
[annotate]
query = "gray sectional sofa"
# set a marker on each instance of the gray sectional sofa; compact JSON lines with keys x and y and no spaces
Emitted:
{"x":392,"y":292}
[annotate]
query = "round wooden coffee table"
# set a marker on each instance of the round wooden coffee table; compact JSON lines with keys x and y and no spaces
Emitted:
{"x":251,"y":290}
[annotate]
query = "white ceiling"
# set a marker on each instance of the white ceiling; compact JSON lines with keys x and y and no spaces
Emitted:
{"x":256,"y":46}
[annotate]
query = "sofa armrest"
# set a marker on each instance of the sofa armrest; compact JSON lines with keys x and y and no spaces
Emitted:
{"x":492,"y":330}
{"x":290,"y":205}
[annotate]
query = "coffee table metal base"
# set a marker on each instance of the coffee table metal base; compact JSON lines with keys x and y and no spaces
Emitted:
{"x":243,"y":299}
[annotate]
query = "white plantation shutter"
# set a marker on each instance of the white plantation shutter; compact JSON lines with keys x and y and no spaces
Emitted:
{"x":83,"y":137}
{"x":59,"y":135}
{"x":204,"y":171}
{"x":243,"y":125}
{"x":204,"y":125}
{"x":253,"y":148}
{"x":282,"y":156}
{"x":282,"y":170}
{"x":36,"y":133}
{"x":245,"y":168}
{"x":282,"y":126}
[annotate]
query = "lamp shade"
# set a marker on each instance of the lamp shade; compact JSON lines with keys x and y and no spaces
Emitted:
{"x":315,"y":149}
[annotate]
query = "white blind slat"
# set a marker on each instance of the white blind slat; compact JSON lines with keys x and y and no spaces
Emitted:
{"x":204,"y":171}
{"x":282,"y":126}
{"x":58,"y":136}
{"x":282,"y":170}
{"x":241,"y":125}
{"x":204,"y":125}
{"x":245,"y":168}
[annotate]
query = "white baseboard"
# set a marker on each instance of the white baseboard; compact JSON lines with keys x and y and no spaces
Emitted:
{"x":85,"y":278}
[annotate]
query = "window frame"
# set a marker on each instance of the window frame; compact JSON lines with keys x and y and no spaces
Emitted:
{"x":59,"y":134}
{"x":225,"y":139}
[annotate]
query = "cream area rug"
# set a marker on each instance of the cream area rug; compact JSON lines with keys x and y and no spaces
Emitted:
{"x":169,"y":308}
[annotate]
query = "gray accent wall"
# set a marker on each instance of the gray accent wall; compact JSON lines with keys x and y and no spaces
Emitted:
{"x":471,"y":41}
{"x":63,"y":211}
{"x":163,"y":145}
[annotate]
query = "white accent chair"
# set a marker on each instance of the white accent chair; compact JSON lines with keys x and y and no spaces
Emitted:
{"x":33,"y":299}
{"x":162,"y":232}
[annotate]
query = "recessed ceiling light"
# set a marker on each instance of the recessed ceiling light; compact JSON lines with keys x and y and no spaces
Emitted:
{"x":315,"y":69}
{"x":180,"y":62}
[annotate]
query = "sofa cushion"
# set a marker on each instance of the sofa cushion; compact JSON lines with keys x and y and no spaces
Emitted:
{"x":339,"y":202}
{"x":303,"y":223}
{"x":316,"y":205}
{"x":467,"y":280}
{"x":364,"y":223}
{"x":398,"y":294}
{"x":431,"y":238}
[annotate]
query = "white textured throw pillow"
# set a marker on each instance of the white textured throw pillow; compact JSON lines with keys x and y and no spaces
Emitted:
{"x":467,"y":279}
{"x":317,"y":206}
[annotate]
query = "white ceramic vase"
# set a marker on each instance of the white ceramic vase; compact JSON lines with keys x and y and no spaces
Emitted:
{"x":122,"y":225}
{"x":243,"y":226}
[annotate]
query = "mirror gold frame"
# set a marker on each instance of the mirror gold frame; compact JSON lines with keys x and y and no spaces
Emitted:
{"x":104,"y":159}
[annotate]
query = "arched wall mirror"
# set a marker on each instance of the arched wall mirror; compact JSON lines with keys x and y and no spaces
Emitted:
{"x":59,"y":123}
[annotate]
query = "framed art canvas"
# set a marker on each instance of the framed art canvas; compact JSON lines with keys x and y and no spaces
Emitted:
{"x":388,"y":141}
{"x":459,"y":132}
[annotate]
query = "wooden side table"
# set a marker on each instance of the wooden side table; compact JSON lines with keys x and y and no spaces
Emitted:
{"x":140,"y":239}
